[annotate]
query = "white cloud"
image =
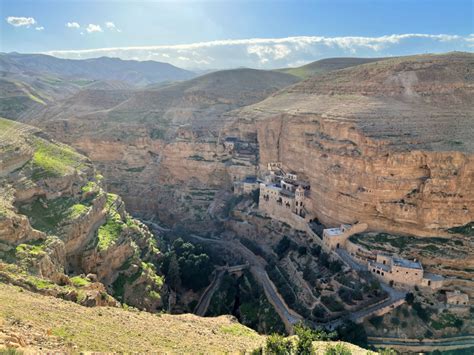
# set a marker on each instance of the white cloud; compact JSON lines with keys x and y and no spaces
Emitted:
{"x":279,"y":52}
{"x":91,"y":28}
{"x":39,"y":28}
{"x":73,"y":25}
{"x":267,"y":52}
{"x":111,"y":26}
{"x":21,"y":21}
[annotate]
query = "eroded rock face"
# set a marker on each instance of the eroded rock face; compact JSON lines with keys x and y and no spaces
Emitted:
{"x":57,"y":221}
{"x":356,"y":178}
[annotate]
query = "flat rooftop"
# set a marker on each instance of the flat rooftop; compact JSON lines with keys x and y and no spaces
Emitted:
{"x":407,"y":263}
{"x":383,"y":267}
{"x":333,"y":231}
{"x":288,"y":193}
{"x":250,"y":179}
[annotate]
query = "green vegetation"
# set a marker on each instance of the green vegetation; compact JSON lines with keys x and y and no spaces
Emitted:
{"x":80,"y":281}
{"x":446,"y":320}
{"x":244,"y":298}
{"x":338,"y":349}
{"x":91,"y":186}
{"x":54,"y":160}
{"x":31,"y":249}
{"x":278,"y":345}
{"x":467,"y":229}
{"x":193,"y":265}
{"x":110,"y":231}
{"x":119,"y":284}
{"x":333,"y":304}
{"x":237,"y":329}
{"x":48,"y":215}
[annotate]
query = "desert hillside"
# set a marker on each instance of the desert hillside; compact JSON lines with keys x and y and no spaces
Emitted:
{"x":44,"y":324}
{"x":326,"y":65}
{"x":33,"y":323}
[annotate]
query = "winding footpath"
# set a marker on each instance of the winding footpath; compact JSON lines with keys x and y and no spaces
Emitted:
{"x":257,"y":267}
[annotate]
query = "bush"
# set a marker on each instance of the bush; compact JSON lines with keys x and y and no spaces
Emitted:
{"x":409,"y":298}
{"x":338,"y":349}
{"x":302,"y":250}
{"x":304,"y":346}
{"x":376,"y":321}
{"x":335,"y":266}
{"x":278,"y":345}
{"x":283,"y":246}
{"x":353,"y":333}
{"x":421,"y":312}
{"x":316,"y":251}
{"x":333,"y":304}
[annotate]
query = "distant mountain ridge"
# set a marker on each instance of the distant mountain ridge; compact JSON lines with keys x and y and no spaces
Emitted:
{"x":134,"y":72}
{"x":326,"y":65}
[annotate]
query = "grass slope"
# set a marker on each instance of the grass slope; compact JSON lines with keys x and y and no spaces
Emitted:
{"x":48,"y":323}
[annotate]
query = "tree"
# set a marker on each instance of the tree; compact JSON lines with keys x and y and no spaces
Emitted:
{"x":172,"y":277}
{"x":278,"y":345}
{"x":409,"y":298}
{"x":353,"y":333}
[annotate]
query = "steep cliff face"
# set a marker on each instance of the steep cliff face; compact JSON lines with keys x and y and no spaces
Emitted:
{"x":387,"y":143}
{"x":356,"y":178}
{"x":56,"y":221}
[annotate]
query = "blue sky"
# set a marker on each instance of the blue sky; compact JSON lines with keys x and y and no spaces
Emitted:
{"x":219,"y":34}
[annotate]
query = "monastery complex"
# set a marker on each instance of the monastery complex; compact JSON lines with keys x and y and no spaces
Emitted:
{"x":284,"y":196}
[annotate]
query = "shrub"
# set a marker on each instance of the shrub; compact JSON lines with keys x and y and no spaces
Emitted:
{"x":338,"y":349}
{"x":278,"y":345}
{"x":283,"y":246}
{"x":409,"y":298}
{"x":335,"y":266}
{"x":304,"y":346}
{"x":316,"y":251}
{"x":376,"y":321}
{"x":395,"y":321}
{"x":302,"y":250}
{"x":421,"y":312}
{"x":331,"y":303}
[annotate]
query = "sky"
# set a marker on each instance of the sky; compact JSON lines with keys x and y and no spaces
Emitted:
{"x":228,"y":34}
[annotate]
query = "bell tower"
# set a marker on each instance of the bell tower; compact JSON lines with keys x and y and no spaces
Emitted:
{"x":299,"y":200}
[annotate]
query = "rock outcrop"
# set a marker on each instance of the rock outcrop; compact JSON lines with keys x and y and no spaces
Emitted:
{"x":56,"y":221}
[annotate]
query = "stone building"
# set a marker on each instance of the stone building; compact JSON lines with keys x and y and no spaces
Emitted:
{"x":335,"y":238}
{"x":246,"y":186}
{"x":283,"y":196}
{"x":397,"y":270}
{"x":457,"y":298}
{"x":230,"y":143}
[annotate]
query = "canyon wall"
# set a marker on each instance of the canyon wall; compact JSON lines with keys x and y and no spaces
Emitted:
{"x":356,"y":178}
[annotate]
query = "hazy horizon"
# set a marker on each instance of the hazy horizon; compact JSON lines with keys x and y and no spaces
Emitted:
{"x":220,"y":35}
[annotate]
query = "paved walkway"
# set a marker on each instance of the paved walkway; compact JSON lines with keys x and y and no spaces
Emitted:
{"x":257,"y":267}
{"x":205,"y":300}
{"x":413,"y":345}
{"x":349,"y":261}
